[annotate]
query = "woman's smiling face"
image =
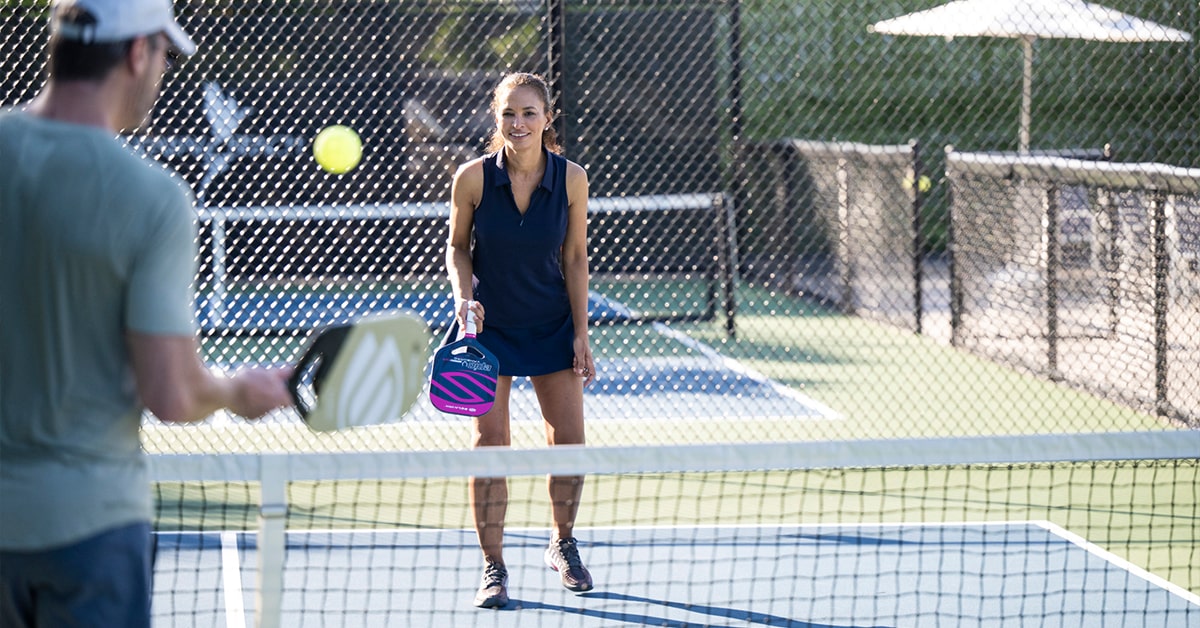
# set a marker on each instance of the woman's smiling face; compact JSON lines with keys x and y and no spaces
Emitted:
{"x":522,"y":117}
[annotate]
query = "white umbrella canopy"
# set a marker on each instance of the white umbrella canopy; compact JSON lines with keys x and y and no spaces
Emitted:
{"x":1028,"y":20}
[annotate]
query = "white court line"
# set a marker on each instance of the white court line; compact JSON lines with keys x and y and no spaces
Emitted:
{"x":747,"y":372}
{"x":666,"y":526}
{"x":1119,"y":562}
{"x":231,"y":580}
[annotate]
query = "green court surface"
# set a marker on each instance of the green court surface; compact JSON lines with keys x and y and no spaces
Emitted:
{"x":892,"y":383}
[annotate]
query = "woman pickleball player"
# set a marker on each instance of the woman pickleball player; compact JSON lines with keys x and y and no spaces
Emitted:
{"x":518,"y":250}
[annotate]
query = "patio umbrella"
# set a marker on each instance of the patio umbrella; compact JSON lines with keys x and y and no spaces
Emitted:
{"x":1028,"y":20}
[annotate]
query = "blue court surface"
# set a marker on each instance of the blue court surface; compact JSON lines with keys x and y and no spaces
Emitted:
{"x":870,"y":575}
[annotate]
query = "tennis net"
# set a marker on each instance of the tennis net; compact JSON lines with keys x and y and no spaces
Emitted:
{"x":1066,"y":530}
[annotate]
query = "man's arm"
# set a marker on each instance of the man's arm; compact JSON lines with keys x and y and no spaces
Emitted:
{"x":174,"y":384}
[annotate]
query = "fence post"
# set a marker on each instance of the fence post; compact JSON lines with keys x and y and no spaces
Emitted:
{"x":956,"y":292}
{"x":1109,"y":217}
{"x":1051,"y":252}
{"x":218,"y":302}
{"x":844,"y":256}
{"x":727,"y":258}
{"x":736,"y":156}
{"x":918,"y":240}
{"x":556,"y":33}
{"x":1162,"y":265}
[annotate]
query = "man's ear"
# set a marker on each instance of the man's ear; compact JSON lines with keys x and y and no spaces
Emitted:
{"x":141,"y":54}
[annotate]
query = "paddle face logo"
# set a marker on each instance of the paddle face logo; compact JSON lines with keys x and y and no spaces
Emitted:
{"x":372,"y":388}
{"x":470,"y":363}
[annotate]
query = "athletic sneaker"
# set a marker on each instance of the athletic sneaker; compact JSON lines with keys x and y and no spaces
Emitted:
{"x":493,"y":591}
{"x":563,"y":556}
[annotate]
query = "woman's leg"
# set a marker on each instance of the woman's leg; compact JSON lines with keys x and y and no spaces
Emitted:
{"x":489,"y":502}
{"x":560,"y":396}
{"x":489,"y":496}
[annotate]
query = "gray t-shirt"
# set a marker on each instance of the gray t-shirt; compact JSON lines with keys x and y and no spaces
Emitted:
{"x":94,"y":242}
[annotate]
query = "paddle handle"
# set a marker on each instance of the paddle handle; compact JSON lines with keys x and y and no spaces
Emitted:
{"x":321,"y":351}
{"x":470,"y":330}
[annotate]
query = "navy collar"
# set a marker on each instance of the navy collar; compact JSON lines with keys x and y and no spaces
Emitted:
{"x":502,"y":172}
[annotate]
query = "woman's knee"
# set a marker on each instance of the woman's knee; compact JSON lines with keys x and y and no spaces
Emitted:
{"x":492,"y":430}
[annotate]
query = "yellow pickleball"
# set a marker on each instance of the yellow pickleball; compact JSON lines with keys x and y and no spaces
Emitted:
{"x":924,"y":184}
{"x":337,"y":149}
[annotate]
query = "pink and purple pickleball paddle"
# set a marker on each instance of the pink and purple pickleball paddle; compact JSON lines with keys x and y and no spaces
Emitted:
{"x":464,"y":375}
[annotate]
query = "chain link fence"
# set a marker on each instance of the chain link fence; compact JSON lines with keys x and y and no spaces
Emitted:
{"x":771,"y":236}
{"x":1084,"y":272}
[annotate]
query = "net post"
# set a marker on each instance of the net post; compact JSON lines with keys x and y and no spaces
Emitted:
{"x":272,"y":524}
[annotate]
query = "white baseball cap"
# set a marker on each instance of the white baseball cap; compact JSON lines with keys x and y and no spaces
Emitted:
{"x":119,"y":20}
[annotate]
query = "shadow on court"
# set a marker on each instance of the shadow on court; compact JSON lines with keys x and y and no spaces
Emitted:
{"x":715,"y":612}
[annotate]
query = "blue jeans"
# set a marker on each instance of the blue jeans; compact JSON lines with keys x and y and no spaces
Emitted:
{"x":101,"y":581}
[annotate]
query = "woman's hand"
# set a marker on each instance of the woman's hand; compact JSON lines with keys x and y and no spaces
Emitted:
{"x":584,"y":365}
{"x":461,"y":313}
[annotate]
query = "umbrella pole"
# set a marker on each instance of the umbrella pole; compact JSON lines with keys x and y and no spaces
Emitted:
{"x":1026,"y":96}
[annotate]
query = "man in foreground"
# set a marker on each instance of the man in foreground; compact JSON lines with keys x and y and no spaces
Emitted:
{"x":98,"y":250}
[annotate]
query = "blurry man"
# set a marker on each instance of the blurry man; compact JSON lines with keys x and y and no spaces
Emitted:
{"x":97,"y":251}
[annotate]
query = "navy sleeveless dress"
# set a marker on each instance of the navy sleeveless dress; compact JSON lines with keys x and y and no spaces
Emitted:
{"x":517,"y":259}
